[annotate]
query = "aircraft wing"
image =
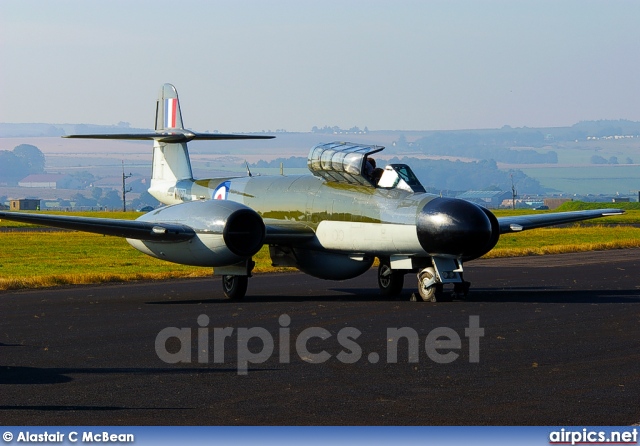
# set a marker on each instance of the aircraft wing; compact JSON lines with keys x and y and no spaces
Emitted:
{"x":524,"y":222}
{"x":276,"y":232}
{"x":134,"y":229}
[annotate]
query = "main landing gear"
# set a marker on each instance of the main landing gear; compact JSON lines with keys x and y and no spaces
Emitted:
{"x":235,"y":287}
{"x":235,"y":279}
{"x":390,"y":281}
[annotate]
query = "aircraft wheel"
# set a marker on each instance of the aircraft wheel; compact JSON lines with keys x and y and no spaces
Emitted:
{"x":427,"y":286}
{"x":389,"y":281}
{"x":235,"y":287}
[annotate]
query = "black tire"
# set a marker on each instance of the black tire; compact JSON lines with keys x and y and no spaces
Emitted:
{"x":390,"y":282}
{"x":441,"y":296}
{"x":235,"y":287}
{"x":461,"y":290}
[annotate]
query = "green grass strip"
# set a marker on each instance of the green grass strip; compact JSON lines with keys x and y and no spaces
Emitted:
{"x":44,"y":259}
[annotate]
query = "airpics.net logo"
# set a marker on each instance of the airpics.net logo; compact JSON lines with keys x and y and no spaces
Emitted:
{"x":590,"y":436}
{"x":256,"y":345}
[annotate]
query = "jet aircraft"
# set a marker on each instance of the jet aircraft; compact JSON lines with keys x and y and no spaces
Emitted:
{"x":331,"y":223}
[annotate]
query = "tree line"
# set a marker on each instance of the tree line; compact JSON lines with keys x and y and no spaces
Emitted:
{"x":443,"y":175}
{"x":20,"y":162}
{"x":485,"y":145}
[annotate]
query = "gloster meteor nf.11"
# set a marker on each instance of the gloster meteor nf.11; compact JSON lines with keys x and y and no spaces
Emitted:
{"x":330,"y":224}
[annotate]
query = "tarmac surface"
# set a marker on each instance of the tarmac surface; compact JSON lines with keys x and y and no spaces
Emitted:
{"x":561,"y":346}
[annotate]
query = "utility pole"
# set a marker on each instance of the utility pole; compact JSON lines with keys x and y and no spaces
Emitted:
{"x":514,"y":193}
{"x":124,"y":188}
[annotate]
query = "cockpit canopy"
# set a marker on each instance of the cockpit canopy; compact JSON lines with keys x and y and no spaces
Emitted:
{"x":344,"y":162}
{"x":400,"y":176}
{"x":341,"y":162}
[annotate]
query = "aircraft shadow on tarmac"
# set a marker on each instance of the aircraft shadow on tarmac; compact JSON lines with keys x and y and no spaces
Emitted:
{"x":556,"y":295}
{"x":351,"y":295}
{"x":45,"y":375}
{"x":78,"y":408}
{"x":512,"y":294}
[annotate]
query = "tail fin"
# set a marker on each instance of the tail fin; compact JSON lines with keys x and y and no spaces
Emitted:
{"x":168,"y":114}
{"x":170,"y":159}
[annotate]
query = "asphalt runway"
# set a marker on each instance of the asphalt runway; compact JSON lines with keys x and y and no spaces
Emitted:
{"x":561,"y":346}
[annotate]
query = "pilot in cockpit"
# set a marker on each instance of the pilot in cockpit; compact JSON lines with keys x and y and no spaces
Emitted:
{"x":369,"y":167}
{"x":372,"y":172}
{"x":375,"y":176}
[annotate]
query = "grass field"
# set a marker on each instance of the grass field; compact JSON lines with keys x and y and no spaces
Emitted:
{"x":630,"y":217}
{"x":43,"y":259}
{"x":95,"y":214}
{"x":560,"y":240}
{"x":592,"y":179}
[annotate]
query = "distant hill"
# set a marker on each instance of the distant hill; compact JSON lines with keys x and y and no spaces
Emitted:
{"x":38,"y":129}
{"x":525,"y":136}
{"x":607,"y":127}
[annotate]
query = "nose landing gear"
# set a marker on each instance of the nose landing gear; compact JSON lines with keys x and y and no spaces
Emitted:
{"x":390,"y":281}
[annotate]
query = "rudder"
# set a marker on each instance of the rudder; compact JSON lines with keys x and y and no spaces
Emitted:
{"x":168,"y":114}
{"x":170,"y":159}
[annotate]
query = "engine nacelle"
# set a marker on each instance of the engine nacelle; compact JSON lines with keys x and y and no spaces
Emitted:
{"x":450,"y":227}
{"x":226,"y":233}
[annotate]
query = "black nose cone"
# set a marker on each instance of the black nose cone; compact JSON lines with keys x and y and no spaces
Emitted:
{"x":453,"y":227}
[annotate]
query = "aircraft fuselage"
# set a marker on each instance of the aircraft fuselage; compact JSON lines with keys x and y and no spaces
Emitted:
{"x":354,"y":219}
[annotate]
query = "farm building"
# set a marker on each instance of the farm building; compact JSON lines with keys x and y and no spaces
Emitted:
{"x":25,"y":204}
{"x":487,"y":198}
{"x":50,"y":181}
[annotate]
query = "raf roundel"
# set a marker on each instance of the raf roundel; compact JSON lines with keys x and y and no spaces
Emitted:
{"x":221,"y":191}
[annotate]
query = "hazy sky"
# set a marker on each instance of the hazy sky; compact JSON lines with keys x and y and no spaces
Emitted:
{"x":266,"y":65}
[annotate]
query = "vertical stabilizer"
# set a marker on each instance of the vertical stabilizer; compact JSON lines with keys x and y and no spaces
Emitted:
{"x":170,"y":160}
{"x":168,"y":114}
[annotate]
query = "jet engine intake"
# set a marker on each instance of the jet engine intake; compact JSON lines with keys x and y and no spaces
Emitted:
{"x":244,"y":232}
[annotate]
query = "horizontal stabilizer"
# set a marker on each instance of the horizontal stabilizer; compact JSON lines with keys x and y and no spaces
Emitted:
{"x":169,"y":127}
{"x":133,"y":229}
{"x":171,"y":137}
